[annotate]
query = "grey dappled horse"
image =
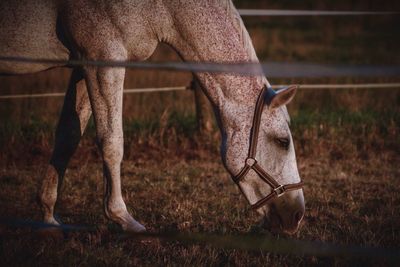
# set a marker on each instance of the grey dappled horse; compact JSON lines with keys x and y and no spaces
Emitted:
{"x":209,"y":30}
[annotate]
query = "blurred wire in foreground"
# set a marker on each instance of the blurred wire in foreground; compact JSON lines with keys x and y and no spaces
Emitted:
{"x":250,"y":242}
{"x":270,"y":69}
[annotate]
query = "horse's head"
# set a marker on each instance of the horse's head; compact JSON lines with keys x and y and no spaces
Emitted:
{"x":274,"y":156}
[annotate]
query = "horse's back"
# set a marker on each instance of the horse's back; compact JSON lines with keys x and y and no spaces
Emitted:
{"x":29,"y":29}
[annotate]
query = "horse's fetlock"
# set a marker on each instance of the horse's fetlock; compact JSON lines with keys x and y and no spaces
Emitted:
{"x":115,"y":208}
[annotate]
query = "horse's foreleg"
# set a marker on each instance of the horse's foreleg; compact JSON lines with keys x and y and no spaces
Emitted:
{"x":105,"y":87}
{"x":74,"y":117}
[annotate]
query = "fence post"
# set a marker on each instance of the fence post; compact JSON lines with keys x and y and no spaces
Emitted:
{"x":204,"y":111}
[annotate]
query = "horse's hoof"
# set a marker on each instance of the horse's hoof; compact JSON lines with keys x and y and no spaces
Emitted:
{"x":126,"y":221}
{"x":134,"y":227}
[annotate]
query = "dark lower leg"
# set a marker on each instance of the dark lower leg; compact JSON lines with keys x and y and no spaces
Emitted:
{"x":74,"y":117}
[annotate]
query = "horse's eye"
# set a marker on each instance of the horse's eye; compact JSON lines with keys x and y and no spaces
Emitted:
{"x":283,"y":142}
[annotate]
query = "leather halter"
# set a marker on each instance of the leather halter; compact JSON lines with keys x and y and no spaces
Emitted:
{"x":265,"y":97}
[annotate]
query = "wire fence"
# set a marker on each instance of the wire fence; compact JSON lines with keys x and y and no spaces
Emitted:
{"x":250,"y":242}
{"x":183,"y":88}
{"x":269,"y":69}
{"x":291,"y":13}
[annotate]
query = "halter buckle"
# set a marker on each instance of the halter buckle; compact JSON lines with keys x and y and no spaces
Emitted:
{"x":280,"y":190}
{"x":251,"y":161}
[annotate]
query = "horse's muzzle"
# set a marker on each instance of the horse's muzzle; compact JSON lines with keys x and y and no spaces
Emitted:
{"x":285,"y":218}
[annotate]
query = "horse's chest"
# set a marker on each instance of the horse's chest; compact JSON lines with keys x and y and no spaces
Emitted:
{"x":137,"y":45}
{"x":106,"y":32}
{"x":140,"y":45}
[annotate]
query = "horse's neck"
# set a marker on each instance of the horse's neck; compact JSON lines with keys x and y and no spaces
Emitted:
{"x":212,"y":31}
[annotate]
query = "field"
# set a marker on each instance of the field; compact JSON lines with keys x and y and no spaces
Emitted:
{"x":348,"y":158}
{"x":347,"y":146}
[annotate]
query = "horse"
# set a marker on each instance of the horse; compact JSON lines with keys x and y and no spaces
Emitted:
{"x":256,"y":144}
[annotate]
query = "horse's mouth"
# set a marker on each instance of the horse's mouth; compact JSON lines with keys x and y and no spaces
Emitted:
{"x":271,"y":226}
{"x":274,"y":224}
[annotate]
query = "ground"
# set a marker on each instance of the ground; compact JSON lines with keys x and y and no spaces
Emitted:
{"x":348,"y":201}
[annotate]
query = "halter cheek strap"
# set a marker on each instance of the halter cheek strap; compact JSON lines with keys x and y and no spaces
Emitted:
{"x":265,"y":97}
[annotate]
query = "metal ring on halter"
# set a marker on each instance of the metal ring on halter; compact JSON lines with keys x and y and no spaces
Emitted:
{"x":250,"y":162}
{"x":280,"y":190}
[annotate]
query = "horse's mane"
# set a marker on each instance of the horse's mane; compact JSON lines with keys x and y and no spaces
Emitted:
{"x":233,"y":13}
{"x":244,"y":36}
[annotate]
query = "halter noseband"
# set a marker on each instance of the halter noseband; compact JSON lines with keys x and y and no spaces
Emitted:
{"x":265,"y":97}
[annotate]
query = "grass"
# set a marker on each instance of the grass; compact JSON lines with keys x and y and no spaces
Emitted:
{"x":173,"y":181}
{"x":359,"y":130}
{"x":349,"y":201}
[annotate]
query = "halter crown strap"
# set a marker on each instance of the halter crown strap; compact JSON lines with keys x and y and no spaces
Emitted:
{"x":265,"y":97}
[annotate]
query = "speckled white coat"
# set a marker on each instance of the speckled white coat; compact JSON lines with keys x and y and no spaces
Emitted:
{"x":209,"y":30}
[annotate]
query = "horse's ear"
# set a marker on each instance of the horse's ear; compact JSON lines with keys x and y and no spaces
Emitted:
{"x":283,"y":96}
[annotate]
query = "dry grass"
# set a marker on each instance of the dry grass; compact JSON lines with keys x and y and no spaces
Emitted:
{"x":349,"y":201}
{"x":349,"y":160}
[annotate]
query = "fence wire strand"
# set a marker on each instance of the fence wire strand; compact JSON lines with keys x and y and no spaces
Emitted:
{"x":183,"y":88}
{"x":279,"y":12}
{"x":269,"y":69}
{"x":250,"y":242}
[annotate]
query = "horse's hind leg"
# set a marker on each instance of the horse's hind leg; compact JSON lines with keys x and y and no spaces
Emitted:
{"x":74,"y":117}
